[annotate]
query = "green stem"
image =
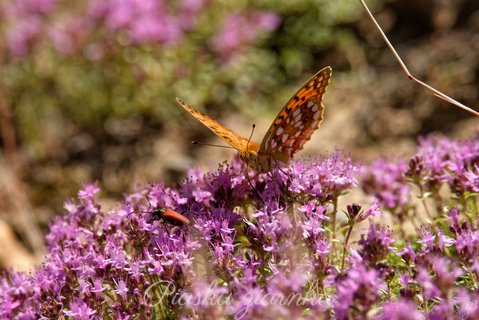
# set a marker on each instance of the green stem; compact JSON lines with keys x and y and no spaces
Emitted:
{"x":472,"y":275}
{"x":423,"y":201}
{"x":333,"y":227}
{"x":346,"y":245}
{"x":466,"y":211}
{"x":425,"y":307}
{"x":450,"y":305}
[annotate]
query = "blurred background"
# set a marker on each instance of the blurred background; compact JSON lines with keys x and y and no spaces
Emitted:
{"x":87,"y":89}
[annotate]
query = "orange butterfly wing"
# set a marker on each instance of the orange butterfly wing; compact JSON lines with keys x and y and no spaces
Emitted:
{"x":237,"y":141}
{"x":298,"y":119}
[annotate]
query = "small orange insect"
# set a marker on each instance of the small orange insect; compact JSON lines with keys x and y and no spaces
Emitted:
{"x":288,"y":133}
{"x":170,"y":215}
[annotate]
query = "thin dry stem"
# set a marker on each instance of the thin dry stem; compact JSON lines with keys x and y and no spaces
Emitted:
{"x":13,"y":186}
{"x":346,"y":245}
{"x":436,"y":92}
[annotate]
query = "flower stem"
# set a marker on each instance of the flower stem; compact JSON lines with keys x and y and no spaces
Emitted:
{"x":333,"y":227}
{"x":423,"y":201}
{"x":351,"y":226}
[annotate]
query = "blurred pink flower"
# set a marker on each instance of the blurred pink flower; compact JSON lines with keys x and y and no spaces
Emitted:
{"x":21,"y":37}
{"x":29,"y":7}
{"x":243,"y":29}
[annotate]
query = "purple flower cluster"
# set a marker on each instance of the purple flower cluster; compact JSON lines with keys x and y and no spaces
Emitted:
{"x":440,"y":166}
{"x":454,"y":163}
{"x":147,"y":20}
{"x":242,"y":29}
{"x":357,"y":292}
{"x":92,"y":26}
{"x":326,"y":180}
{"x":262,"y":248}
{"x":70,"y":28}
{"x":385,"y":181}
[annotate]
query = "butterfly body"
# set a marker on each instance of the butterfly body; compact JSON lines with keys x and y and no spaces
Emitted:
{"x":288,"y":133}
{"x":259,"y":162}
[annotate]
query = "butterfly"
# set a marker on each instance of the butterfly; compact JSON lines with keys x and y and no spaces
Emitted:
{"x":288,"y":133}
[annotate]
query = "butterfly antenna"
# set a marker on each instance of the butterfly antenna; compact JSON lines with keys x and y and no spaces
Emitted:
{"x":210,"y":145}
{"x":250,"y":136}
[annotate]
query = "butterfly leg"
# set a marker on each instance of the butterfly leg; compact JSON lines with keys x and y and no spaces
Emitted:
{"x":251,"y":184}
{"x":278,"y":166}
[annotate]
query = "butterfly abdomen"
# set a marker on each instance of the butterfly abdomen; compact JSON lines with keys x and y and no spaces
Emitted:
{"x":260,"y":163}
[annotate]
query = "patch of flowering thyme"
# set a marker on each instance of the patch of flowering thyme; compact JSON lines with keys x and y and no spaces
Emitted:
{"x":277,"y":246}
